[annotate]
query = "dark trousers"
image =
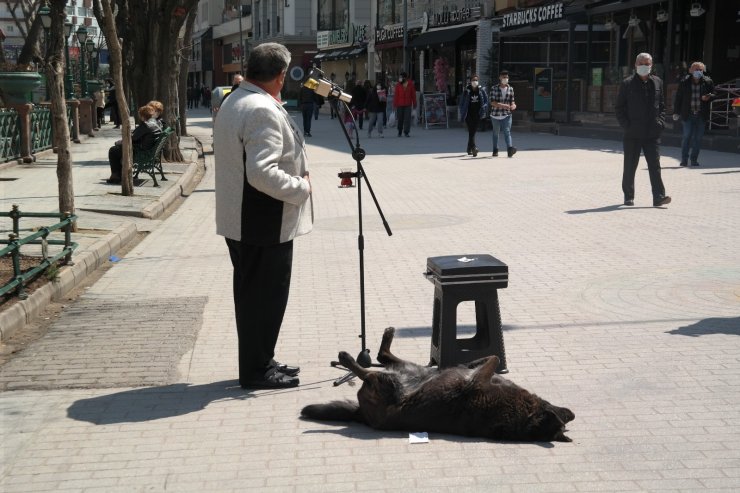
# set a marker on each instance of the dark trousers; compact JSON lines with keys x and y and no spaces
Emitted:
{"x":307,"y":111}
{"x":403,"y":116}
{"x":651,"y":150}
{"x":261,"y":286}
{"x":115,"y":158}
{"x":100,"y":113}
{"x":115,"y":116}
{"x":472,"y":122}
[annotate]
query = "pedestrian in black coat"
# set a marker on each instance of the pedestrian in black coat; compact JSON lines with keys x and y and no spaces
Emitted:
{"x":640,"y":110}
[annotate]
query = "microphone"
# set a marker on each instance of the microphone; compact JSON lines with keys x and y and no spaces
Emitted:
{"x":324,"y":87}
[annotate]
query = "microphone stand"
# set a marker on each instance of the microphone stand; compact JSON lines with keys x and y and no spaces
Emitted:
{"x":358,"y":154}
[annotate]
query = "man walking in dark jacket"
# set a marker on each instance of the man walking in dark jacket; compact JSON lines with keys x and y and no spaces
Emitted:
{"x":691,"y":104}
{"x":640,"y":110}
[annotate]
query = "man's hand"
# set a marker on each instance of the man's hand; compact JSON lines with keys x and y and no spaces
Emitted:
{"x":306,"y":177}
{"x":512,"y":107}
{"x":705,"y":97}
{"x":675,"y":117}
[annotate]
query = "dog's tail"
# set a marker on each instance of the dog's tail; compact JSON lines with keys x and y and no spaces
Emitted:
{"x":333,"y":411}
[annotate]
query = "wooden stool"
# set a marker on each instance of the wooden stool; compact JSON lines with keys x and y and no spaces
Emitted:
{"x":459,"y":278}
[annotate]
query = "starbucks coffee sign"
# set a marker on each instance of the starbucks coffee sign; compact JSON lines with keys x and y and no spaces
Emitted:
{"x":535,"y":15}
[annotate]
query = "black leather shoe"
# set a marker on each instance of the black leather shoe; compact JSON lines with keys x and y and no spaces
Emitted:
{"x":511,"y":151}
{"x":469,"y":151}
{"x":683,"y":163}
{"x":272,"y":379}
{"x":694,"y":164}
{"x":629,"y":202}
{"x":495,"y":153}
{"x":475,"y":151}
{"x":288,"y":370}
{"x":661,"y":201}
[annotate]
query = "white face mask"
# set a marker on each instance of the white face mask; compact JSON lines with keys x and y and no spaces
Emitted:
{"x":474,"y":84}
{"x":378,"y":88}
{"x":505,"y":80}
{"x":643,"y":70}
{"x":697,"y":74}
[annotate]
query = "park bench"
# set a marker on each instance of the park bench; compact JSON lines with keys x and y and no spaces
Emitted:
{"x":150,"y":161}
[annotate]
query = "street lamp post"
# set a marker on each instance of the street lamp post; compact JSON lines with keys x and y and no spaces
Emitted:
{"x":90,"y":48}
{"x":96,"y":60}
{"x":81,"y":38}
{"x":68,"y":85}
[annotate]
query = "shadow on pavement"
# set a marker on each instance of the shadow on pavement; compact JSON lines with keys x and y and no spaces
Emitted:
{"x":150,"y":403}
{"x":715,"y":325}
{"x":464,"y":330}
{"x":364,"y":432}
{"x":606,"y":208}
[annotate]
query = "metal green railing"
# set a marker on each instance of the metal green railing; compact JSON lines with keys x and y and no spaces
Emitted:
{"x":10,"y":135}
{"x":15,"y":243}
{"x":41,"y":136}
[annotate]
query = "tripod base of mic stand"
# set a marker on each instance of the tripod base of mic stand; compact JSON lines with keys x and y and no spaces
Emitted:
{"x":363,"y":359}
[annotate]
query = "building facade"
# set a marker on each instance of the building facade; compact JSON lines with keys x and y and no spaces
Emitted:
{"x":79,"y":13}
{"x":586,"y":46}
{"x":591,"y":46}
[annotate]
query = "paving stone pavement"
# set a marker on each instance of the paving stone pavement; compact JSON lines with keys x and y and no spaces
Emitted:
{"x":628,"y":316}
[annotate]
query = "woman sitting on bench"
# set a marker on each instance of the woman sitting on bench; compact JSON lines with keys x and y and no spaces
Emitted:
{"x":143,"y":138}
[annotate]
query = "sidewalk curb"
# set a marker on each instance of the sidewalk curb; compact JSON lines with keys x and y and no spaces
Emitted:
{"x":23,"y":312}
{"x":157,"y":207}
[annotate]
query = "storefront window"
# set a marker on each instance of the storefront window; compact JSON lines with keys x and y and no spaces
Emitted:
{"x":521,"y":54}
{"x":333,"y":15}
{"x":390,"y":12}
{"x":439,"y":73}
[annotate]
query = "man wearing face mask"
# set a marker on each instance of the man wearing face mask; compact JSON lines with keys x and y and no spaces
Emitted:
{"x":640,"y":110}
{"x":502,"y":104}
{"x":404,"y":100}
{"x":473,"y":107}
{"x":691,"y":104}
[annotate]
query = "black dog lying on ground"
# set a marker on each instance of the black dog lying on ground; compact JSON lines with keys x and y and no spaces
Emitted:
{"x":470,"y":401}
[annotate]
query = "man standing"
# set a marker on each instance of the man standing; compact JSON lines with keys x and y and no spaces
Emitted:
{"x":502,"y":104}
{"x":263,"y":201}
{"x":691,"y":104}
{"x":640,"y":110}
{"x":473,"y":107}
{"x":404,"y":100}
{"x":306,"y":104}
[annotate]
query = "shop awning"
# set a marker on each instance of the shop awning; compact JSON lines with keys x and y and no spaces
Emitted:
{"x":357,"y":51}
{"x":440,"y":36}
{"x":345,"y":53}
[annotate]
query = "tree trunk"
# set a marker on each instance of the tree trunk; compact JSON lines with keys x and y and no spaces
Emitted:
{"x":154,"y":29}
{"x":30,"y":50}
{"x":55,"y":73}
{"x":150,"y":30}
{"x":116,"y":69}
{"x":186,"y":50}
